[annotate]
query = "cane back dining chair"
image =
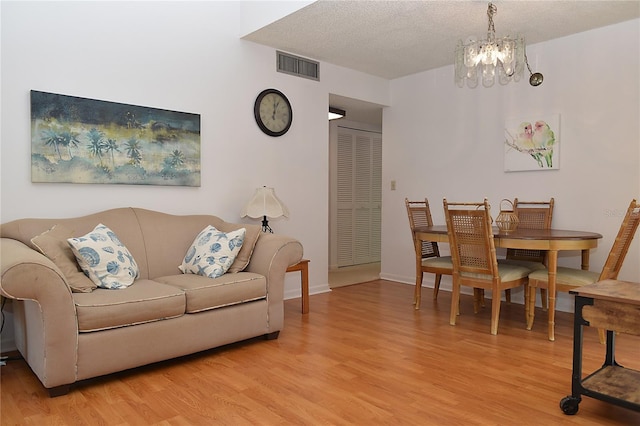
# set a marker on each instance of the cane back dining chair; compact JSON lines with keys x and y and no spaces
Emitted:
{"x":427,"y":254}
{"x":474,"y":258}
{"x":531,"y":215}
{"x":570,"y":278}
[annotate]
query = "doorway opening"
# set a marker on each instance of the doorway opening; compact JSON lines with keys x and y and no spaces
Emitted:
{"x":355,"y":192}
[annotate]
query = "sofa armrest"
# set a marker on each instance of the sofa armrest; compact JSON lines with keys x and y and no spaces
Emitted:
{"x":45,"y":323}
{"x":271,"y":257}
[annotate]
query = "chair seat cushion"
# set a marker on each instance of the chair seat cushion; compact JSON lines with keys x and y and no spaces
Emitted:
{"x":507,"y":273}
{"x":205,"y":293}
{"x":443,"y":262}
{"x":143,"y":302}
{"x":567,"y":276}
{"x":532,"y":265}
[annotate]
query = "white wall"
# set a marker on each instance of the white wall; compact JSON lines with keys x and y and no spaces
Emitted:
{"x":181,"y":56}
{"x":443,"y":141}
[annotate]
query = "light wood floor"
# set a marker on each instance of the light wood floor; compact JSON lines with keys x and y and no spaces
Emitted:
{"x":362,"y":356}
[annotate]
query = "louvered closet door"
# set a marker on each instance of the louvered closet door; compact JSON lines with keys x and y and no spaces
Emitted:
{"x":359,"y":196}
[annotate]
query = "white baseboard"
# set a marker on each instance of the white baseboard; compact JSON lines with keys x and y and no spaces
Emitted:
{"x":296,"y":292}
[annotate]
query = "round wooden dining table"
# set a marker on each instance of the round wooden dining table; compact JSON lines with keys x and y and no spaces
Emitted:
{"x":550,"y":240}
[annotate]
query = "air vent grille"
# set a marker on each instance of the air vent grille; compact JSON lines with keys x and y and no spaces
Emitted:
{"x":295,"y":65}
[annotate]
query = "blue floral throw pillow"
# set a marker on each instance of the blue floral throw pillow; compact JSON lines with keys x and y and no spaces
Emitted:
{"x":212,"y":252}
{"x":104,"y":259}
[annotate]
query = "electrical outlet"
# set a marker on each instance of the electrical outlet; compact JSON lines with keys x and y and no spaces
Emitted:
{"x":393,"y":185}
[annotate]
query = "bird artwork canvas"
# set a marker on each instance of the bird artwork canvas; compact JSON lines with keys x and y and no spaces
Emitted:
{"x":532,"y":143}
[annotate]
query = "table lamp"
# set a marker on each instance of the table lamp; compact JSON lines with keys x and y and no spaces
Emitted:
{"x":264,"y":203}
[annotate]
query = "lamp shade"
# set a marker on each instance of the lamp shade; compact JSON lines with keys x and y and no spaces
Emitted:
{"x":264,"y":203}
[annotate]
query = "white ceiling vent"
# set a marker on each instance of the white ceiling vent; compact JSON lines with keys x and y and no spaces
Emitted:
{"x":295,"y":65}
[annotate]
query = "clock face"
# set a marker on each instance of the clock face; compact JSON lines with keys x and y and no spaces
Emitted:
{"x":273,"y":113}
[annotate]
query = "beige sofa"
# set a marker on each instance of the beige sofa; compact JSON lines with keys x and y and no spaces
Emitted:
{"x":69,"y":336}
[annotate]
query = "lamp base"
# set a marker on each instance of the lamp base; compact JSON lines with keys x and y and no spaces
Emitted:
{"x":265,"y":225}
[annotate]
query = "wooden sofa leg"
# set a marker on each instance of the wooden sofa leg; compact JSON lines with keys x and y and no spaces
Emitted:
{"x":59,"y":390}
{"x":272,"y":336}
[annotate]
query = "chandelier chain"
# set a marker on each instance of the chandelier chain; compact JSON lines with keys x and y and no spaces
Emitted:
{"x":491,"y":10}
{"x":526,"y":61}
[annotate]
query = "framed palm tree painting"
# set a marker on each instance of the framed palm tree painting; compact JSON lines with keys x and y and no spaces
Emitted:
{"x":80,"y":140}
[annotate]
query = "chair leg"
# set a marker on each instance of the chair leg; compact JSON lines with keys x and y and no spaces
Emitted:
{"x":526,"y":302}
{"x":602,"y":335}
{"x":495,"y":313}
{"x":455,"y":303}
{"x":418,"y":290}
{"x":543,"y":296}
{"x":436,"y":286}
{"x":478,"y":299}
{"x":507,"y":295}
{"x":531,"y":307}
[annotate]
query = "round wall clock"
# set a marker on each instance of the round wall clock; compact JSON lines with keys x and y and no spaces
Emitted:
{"x":273,"y":112}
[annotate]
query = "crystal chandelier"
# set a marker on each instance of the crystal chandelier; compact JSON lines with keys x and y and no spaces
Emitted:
{"x":494,"y":58}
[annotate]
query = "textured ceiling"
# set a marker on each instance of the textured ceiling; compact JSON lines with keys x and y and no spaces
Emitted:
{"x":392,"y":39}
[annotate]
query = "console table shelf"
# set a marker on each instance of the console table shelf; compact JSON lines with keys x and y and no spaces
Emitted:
{"x":615,"y":381}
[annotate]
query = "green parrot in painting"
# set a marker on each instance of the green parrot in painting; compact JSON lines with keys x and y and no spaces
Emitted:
{"x":543,"y":137}
{"x":525,"y":141}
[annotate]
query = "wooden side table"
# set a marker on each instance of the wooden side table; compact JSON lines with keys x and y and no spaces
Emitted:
{"x":303,"y":267}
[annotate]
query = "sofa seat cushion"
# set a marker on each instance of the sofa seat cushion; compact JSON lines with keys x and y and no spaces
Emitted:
{"x":205,"y":293}
{"x":144,"y":301}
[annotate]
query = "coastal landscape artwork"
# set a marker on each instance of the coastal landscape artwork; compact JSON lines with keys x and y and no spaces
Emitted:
{"x":80,"y":140}
{"x":532,"y":143}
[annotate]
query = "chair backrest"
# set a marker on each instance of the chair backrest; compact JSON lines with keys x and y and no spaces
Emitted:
{"x":420,"y":215}
{"x":534,"y":214}
{"x":621,"y":245}
{"x":531,"y":215}
{"x":471,"y":238}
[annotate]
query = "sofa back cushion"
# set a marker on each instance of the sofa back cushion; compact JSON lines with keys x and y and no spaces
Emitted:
{"x":123,"y":221}
{"x":157,"y":241}
{"x":168,"y":237}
